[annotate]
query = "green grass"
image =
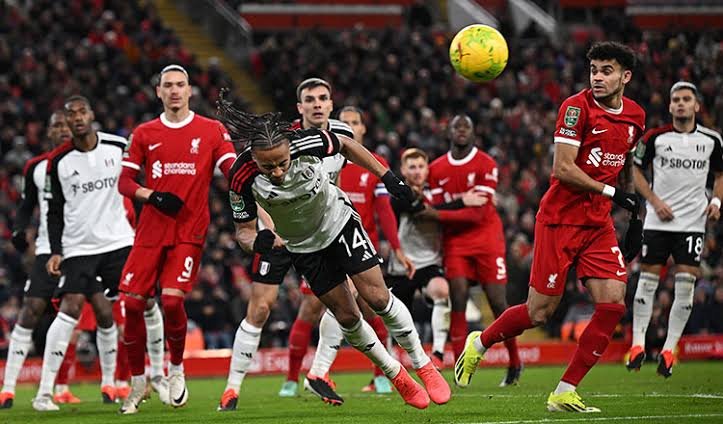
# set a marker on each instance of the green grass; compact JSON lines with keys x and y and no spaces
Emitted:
{"x":693,"y":394}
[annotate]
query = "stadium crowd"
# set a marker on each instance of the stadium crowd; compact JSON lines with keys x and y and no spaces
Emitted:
{"x":109,"y":51}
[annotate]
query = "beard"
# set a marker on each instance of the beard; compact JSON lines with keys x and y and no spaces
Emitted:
{"x":612,"y":94}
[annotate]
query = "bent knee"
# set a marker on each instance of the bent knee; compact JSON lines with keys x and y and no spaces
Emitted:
{"x":347,"y":319}
{"x":540,"y":316}
{"x":258,"y":313}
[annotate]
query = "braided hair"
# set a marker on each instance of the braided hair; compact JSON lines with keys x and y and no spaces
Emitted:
{"x":255,"y":131}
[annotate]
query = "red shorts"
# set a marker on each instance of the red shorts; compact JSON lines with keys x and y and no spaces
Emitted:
{"x":173,"y":267}
{"x":87,"y":321}
{"x":305,"y":288}
{"x":593,"y":251}
{"x":480,"y":268}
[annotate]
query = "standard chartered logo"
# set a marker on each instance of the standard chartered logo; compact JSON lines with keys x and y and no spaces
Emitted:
{"x":160,"y":169}
{"x":157,"y":170}
{"x":597,"y":158}
{"x":594,"y":157}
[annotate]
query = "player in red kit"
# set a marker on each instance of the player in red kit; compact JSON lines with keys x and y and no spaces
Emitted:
{"x":179,"y":151}
{"x":595,"y":135}
{"x":473,"y":239}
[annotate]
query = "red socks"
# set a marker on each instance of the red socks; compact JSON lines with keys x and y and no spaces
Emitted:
{"x":175,"y":324}
{"x":68,"y":361}
{"x":378,"y":325}
{"x":593,"y":341}
{"x":299,"y":338}
{"x":122,"y":369}
{"x":134,"y":335}
{"x":513,"y":321}
{"x":457,"y":331}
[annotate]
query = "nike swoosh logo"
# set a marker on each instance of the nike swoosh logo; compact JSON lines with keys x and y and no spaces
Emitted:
{"x":443,"y":181}
{"x":154,"y":146}
{"x":594,"y":352}
{"x":182,"y":280}
{"x":596,"y":131}
{"x":619,"y":273}
{"x":183,"y":393}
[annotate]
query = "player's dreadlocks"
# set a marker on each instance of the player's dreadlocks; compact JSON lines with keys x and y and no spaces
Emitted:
{"x":256,"y":131}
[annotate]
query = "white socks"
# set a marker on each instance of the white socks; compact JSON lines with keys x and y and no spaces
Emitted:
{"x":680,"y":310}
{"x":55,"y":346}
{"x":21,"y":340}
{"x":154,"y":339}
{"x":107,"y":341}
{"x":399,"y":321}
{"x":477,"y":343}
{"x":643,"y":306}
{"x":563,"y":387}
{"x":175,"y":368}
{"x":330,"y":339}
{"x":440,"y":325}
{"x":362,"y":337}
{"x":245,"y":345}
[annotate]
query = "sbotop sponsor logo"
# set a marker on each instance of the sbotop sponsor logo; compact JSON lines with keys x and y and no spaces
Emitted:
{"x":599,"y":158}
{"x":172,"y":168}
{"x":675,"y":163}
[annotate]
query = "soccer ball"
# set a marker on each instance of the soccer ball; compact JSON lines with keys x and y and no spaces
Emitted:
{"x":478,"y":53}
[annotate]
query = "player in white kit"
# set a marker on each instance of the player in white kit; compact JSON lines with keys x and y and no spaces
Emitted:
{"x":681,"y":155}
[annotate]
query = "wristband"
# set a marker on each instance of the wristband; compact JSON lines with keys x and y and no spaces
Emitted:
{"x":608,"y":191}
{"x":715,"y":201}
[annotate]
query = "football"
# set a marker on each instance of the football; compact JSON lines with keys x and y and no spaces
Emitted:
{"x":478,"y":53}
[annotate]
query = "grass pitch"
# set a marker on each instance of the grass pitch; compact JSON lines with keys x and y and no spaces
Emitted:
{"x":694,"y":394}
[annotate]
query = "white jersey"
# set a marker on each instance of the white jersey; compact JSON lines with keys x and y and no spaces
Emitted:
{"x":681,"y":163}
{"x":421,"y":240}
{"x":32,"y":196}
{"x":307,"y":209}
{"x":85,"y":210}
{"x":42,"y":244}
{"x":333,"y":164}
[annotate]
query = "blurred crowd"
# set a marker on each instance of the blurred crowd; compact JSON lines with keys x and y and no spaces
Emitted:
{"x":109,"y":50}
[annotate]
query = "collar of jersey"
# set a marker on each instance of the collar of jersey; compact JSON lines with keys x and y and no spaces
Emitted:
{"x":176,"y":125}
{"x":464,"y":160}
{"x":607,"y":109}
{"x":695,"y":129}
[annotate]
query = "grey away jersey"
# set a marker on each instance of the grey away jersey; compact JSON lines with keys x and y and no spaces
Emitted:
{"x":680,"y":163}
{"x":421,"y":240}
{"x":85,"y":210}
{"x":307,"y":209}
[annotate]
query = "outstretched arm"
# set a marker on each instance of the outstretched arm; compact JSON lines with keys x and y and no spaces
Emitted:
{"x":359,"y":154}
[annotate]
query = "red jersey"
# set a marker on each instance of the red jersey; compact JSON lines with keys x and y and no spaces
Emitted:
{"x":467,"y":231}
{"x":179,"y":158}
{"x":363,"y":188}
{"x":604,"y":138}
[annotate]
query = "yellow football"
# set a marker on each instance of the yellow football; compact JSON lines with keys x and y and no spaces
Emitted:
{"x":479,"y":53}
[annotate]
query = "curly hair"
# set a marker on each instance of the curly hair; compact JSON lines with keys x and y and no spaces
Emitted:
{"x":251,"y":130}
{"x":609,"y":50}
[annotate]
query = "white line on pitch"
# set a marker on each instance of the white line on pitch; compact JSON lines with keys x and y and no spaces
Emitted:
{"x":601,"y":395}
{"x":586,"y":417}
